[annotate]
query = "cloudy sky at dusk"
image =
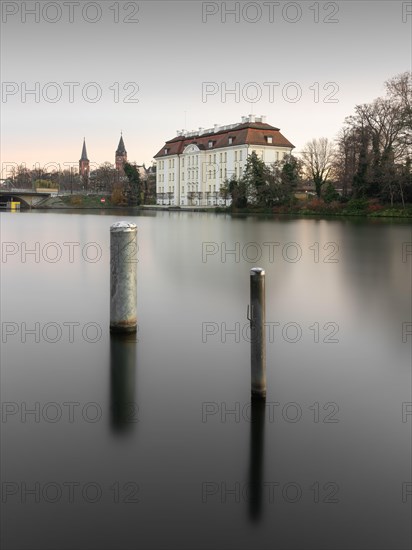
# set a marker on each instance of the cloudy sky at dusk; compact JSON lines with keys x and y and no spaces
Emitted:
{"x":151,"y":68}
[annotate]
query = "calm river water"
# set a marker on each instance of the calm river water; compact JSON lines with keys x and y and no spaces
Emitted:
{"x":150,"y":442}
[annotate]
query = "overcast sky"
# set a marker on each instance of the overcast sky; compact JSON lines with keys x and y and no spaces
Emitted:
{"x":151,"y":68}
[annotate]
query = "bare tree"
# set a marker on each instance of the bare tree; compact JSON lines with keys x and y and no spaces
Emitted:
{"x":399,"y":89}
{"x":104,"y":178}
{"x":399,"y":92}
{"x":384,"y":130}
{"x":318,"y":159}
{"x":21,"y":177}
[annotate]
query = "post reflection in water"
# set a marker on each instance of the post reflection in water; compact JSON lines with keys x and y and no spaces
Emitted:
{"x":123,"y":406}
{"x":257,"y":442}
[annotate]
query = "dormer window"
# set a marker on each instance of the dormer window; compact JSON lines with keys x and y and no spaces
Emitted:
{"x":210,"y":144}
{"x":166,"y":151}
{"x":269,"y":139}
{"x":230,"y":140}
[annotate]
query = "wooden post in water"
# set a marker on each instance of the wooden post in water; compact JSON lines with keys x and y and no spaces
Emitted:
{"x":257,"y":318}
{"x":123,"y":277}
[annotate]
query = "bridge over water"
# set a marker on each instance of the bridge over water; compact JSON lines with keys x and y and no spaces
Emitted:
{"x":27,"y":197}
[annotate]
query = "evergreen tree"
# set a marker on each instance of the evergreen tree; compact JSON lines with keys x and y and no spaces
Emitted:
{"x":133,"y":187}
{"x":254,"y":180}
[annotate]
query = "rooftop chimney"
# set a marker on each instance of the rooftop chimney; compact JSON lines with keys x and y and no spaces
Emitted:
{"x":244,"y":119}
{"x":263,"y":118}
{"x":251,"y":118}
{"x":200,"y":130}
{"x":216,"y":128}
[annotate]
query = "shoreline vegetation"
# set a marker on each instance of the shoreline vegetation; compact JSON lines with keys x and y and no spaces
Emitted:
{"x":369,"y":208}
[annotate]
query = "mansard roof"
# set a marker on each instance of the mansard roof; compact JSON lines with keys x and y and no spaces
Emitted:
{"x":247,"y":133}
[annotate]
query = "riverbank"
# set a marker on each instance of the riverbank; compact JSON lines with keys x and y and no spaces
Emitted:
{"x":316,"y":207}
{"x":352,"y":208}
{"x":94,"y":202}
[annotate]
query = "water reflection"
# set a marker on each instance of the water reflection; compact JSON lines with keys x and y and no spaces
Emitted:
{"x":124,"y":410}
{"x":257,"y":442}
{"x":367,"y":374}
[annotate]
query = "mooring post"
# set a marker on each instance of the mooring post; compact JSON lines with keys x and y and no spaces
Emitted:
{"x":123,"y":277}
{"x":257,"y":318}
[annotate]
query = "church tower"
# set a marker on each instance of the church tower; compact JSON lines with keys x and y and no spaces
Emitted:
{"x":84,"y":165}
{"x":121,"y":156}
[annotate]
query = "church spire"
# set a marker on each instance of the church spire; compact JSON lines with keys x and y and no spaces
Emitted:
{"x":84,"y":165}
{"x":121,"y":150}
{"x":84,"y":152}
{"x":120,"y":156}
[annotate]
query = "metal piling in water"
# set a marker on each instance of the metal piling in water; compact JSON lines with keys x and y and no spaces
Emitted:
{"x":257,"y":318}
{"x":123,"y":277}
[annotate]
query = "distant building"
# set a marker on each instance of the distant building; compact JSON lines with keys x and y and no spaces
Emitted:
{"x":120,"y":159}
{"x":84,"y":164}
{"x":192,"y":167}
{"x":106,"y":175}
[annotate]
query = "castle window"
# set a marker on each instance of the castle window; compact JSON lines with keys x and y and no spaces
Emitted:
{"x":269,"y":139}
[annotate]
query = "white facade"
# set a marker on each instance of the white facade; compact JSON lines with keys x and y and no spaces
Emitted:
{"x":196,"y":175}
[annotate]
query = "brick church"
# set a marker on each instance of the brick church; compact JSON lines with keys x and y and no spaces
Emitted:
{"x":120,"y":160}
